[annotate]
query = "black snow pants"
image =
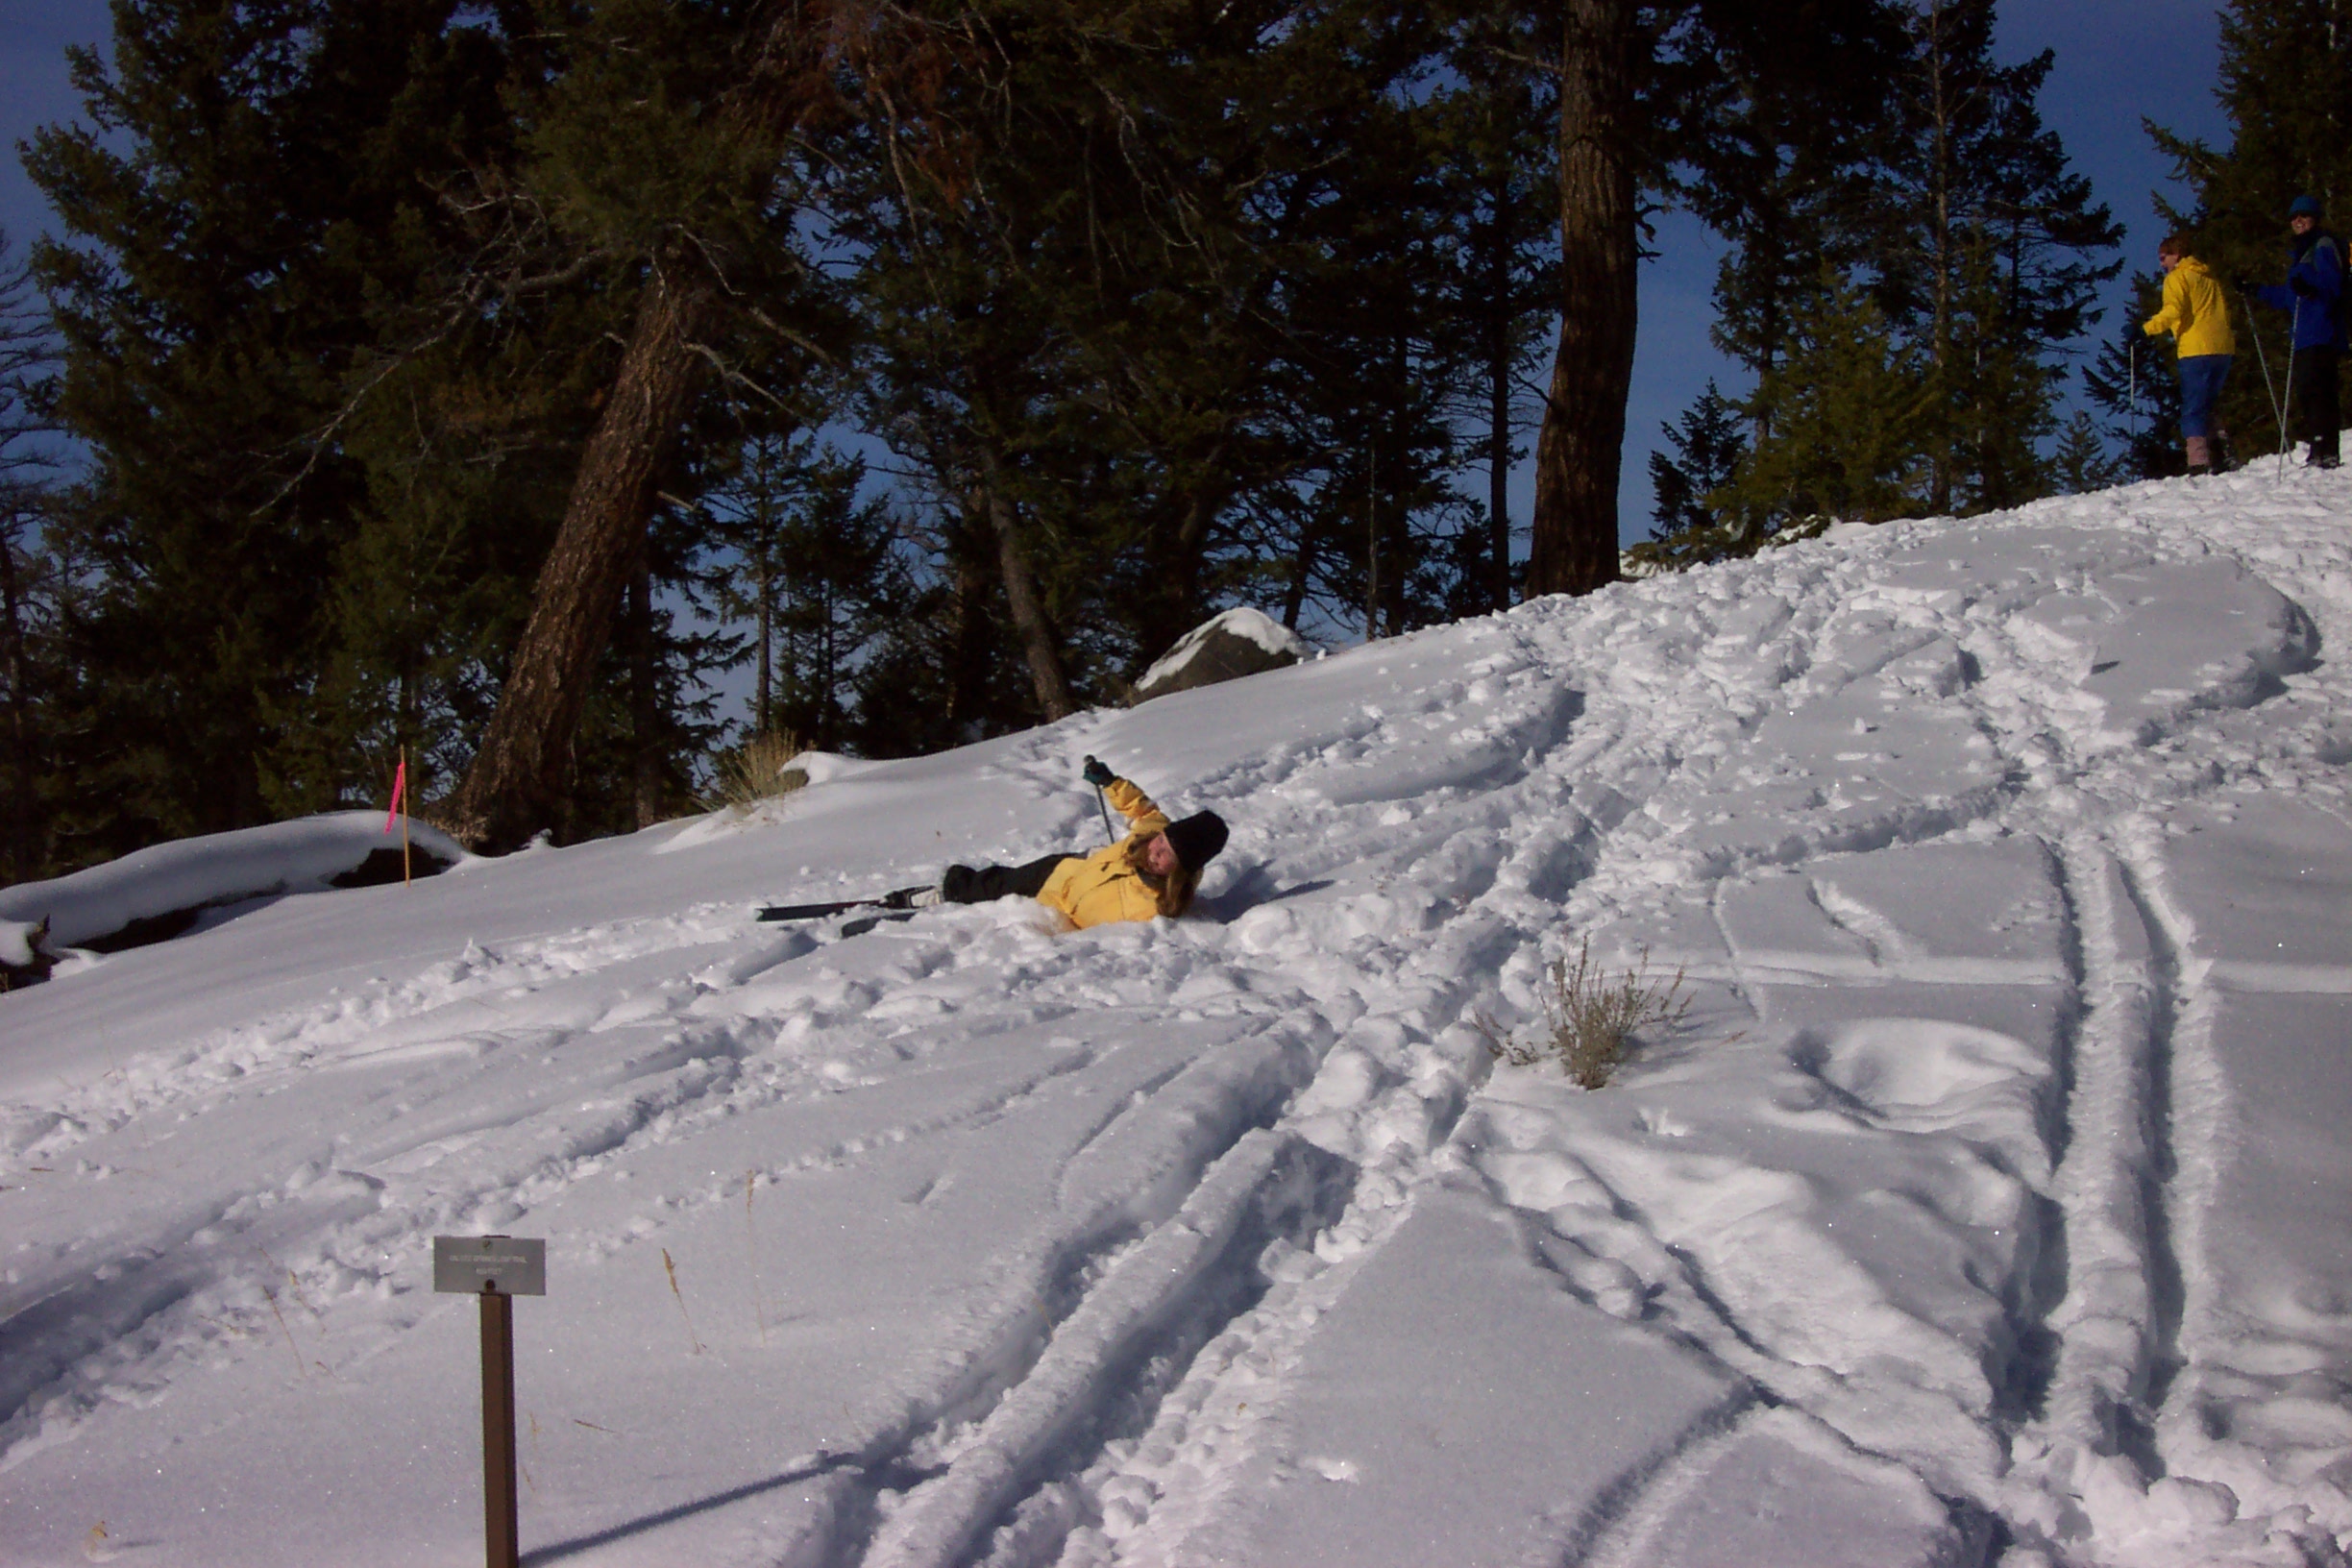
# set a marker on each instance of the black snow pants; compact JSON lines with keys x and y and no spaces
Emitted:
{"x":979,"y":885}
{"x":2311,"y":396}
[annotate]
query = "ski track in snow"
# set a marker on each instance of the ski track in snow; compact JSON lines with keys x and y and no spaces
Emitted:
{"x":2021,"y":1355}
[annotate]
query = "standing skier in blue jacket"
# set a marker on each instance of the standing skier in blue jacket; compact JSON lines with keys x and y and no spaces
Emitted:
{"x":2313,"y":292}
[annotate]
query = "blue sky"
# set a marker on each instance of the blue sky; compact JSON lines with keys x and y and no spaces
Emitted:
{"x":2117,"y":62}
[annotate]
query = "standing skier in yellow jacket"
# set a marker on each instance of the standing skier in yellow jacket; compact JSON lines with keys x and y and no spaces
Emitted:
{"x":1154,"y":870}
{"x":2196,"y":314}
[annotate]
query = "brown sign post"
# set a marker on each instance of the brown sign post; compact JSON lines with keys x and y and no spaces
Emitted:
{"x":494,"y":1269}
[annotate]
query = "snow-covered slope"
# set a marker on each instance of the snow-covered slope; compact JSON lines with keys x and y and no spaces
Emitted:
{"x":1990,"y":1203}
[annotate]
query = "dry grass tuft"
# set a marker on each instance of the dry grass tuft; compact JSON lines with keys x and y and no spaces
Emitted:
{"x":670,"y":1269}
{"x":756,"y":771}
{"x":1589,"y":1016}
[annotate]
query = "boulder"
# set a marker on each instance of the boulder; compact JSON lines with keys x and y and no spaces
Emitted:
{"x":1241,"y":641}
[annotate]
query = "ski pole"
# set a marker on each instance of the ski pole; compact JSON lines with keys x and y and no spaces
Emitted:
{"x":1104,"y":807}
{"x":2285,"y":399}
{"x":2263,"y":360}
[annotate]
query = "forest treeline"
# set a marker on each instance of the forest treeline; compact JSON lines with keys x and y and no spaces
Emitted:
{"x":475,"y":382}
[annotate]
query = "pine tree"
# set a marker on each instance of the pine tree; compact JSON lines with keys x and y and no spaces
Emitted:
{"x":1499,"y":165}
{"x":2082,"y":462}
{"x":817,"y":570}
{"x":679,"y":142}
{"x":28,"y":578}
{"x":1981,"y":250}
{"x":1986,"y":249}
{"x":1854,"y":404}
{"x":1629,"y":116}
{"x":1999,"y":393}
{"x":2286,"y":84}
{"x":254,"y":175}
{"x":1176,"y":329}
{"x":1708,"y":446}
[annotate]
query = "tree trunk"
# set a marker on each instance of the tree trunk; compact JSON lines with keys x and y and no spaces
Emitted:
{"x":1028,"y":607}
{"x":644,"y":712}
{"x":1940,"y":113}
{"x":973,"y":655}
{"x":764,"y":704}
{"x":22,"y":830}
{"x":1196,"y":514}
{"x":1498,"y":324}
{"x":516,"y":782}
{"x":1302,"y":571}
{"x":1574,"y":549}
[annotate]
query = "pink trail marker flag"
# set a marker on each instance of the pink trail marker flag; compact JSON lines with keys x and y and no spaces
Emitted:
{"x":400,"y":786}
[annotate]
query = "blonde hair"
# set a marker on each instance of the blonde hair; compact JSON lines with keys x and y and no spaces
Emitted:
{"x":1174,"y":894}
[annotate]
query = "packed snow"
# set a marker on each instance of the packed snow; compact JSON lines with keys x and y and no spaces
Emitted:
{"x":1989,"y":1203}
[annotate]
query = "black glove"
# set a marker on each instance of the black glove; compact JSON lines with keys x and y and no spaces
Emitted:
{"x":2241,"y":284}
{"x":2304,"y":287}
{"x":1096,"y":775}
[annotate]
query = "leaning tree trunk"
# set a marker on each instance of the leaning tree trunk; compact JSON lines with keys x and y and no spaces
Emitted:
{"x":1575,"y":545}
{"x":517,"y":781}
{"x":1028,"y":606}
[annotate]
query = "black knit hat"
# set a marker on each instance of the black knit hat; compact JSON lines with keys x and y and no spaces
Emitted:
{"x":1197,"y":839}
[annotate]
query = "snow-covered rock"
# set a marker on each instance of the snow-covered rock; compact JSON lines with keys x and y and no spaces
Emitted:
{"x":306,"y":855}
{"x":1241,"y":641}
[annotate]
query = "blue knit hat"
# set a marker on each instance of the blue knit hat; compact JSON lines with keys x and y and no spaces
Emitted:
{"x":2303,"y":207}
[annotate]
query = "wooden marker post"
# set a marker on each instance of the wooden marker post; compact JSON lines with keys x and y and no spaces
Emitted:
{"x":494,"y":1269}
{"x":502,"y":1517}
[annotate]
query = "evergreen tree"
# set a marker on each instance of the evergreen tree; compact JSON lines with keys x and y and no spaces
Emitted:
{"x":1783,"y":172}
{"x":28,"y":578}
{"x":2082,"y":462}
{"x":1997,"y":394}
{"x":254,"y":174}
{"x":1854,"y":404}
{"x":2286,"y":85}
{"x":1629,"y":117}
{"x":816,"y":568}
{"x":1171,"y":328}
{"x":675,"y":144}
{"x":1985,"y":249}
{"x":652,"y":717}
{"x":1982,"y":252}
{"x":1498,"y":165}
{"x":1708,"y":444}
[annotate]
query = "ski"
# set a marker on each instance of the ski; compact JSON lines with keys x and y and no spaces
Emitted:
{"x":816,"y":911}
{"x":839,"y":906}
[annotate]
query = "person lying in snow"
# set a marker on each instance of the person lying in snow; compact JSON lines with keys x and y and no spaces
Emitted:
{"x":1155,"y":870}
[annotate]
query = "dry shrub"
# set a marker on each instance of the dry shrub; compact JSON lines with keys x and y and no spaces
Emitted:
{"x":1588,"y":1017}
{"x":755,"y":771}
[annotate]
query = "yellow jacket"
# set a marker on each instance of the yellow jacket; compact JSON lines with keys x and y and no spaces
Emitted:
{"x":1105,"y":886}
{"x":2194,"y":311}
